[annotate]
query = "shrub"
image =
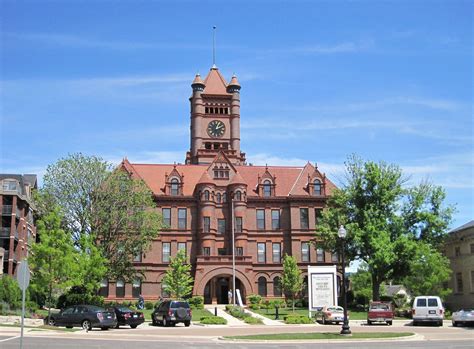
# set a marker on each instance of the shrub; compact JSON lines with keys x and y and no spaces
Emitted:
{"x":254,"y":306}
{"x":196,"y":302}
{"x":213,"y":320}
{"x":10,"y":292}
{"x":276,"y":303}
{"x":77,"y":295}
{"x":298,"y":319}
{"x":255,"y":299}
{"x":148,"y":305}
{"x":252,"y":320}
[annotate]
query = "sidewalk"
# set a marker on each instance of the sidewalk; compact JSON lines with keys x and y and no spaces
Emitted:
{"x":265,"y":320}
{"x":231,"y":321}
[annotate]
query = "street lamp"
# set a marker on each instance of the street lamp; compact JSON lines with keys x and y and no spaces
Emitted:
{"x":346,"y":330}
{"x":233,"y":247}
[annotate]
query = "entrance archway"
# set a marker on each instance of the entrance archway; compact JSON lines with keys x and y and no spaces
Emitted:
{"x":217,"y":290}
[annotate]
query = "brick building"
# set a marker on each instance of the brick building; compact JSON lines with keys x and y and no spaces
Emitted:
{"x":274,"y":208}
{"x":17,"y":230}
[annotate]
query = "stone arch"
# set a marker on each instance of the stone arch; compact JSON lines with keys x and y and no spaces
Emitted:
{"x":199,"y":287}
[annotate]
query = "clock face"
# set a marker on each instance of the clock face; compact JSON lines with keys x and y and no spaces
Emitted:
{"x":216,"y":128}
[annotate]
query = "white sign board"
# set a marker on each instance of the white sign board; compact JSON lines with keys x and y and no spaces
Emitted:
{"x":322,"y":286}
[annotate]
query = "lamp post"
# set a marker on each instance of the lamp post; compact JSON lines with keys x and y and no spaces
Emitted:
{"x":233,"y":248}
{"x":346,"y":330}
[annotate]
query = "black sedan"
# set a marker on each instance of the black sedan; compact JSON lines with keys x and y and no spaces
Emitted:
{"x":85,"y":316}
{"x":126,"y":316}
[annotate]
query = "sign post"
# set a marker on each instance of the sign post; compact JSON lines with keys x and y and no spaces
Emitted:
{"x":23,"y":277}
{"x":322,"y":287}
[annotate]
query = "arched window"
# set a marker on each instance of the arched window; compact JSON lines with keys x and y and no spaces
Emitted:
{"x":224,"y":197}
{"x":277,"y":292}
{"x":174,"y":186}
{"x":238,"y":196}
{"x":267,"y":188}
{"x":206,"y":195}
{"x":262,"y":286}
{"x":317,"y":187}
{"x":219,"y":198}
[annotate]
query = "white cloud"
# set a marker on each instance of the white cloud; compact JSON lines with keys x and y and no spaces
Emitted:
{"x":341,"y":47}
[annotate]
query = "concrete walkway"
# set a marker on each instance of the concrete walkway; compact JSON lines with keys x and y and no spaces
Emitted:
{"x":265,"y":320}
{"x":231,"y":321}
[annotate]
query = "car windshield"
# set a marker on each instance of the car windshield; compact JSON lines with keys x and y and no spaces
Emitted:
{"x":179,"y":305}
{"x":379,"y":306}
{"x":124,"y":309}
{"x":335,"y":309}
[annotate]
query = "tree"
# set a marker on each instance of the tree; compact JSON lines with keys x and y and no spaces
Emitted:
{"x":291,"y":280}
{"x":54,"y":261}
{"x":178,"y":281}
{"x":384,"y":220}
{"x":361,"y":284}
{"x":10,"y":292}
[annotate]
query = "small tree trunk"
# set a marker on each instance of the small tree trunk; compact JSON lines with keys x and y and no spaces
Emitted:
{"x":375,"y":287}
{"x":293,"y":303}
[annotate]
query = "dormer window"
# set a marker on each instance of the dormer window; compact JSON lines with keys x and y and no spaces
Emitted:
{"x":10,"y":185}
{"x":174,"y":188}
{"x":317,"y":187}
{"x":267,"y":188}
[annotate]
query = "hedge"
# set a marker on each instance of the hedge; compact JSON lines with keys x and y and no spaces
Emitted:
{"x":253,"y":320}
{"x":298,"y":319}
{"x":213,"y":320}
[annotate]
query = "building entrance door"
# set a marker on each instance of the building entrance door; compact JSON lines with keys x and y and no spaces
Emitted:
{"x":217,"y":290}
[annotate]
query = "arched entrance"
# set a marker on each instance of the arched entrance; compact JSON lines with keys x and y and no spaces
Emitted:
{"x":217,"y":290}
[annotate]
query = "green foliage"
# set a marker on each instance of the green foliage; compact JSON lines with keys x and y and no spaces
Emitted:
{"x":237,"y":312}
{"x":178,"y":281}
{"x":213,"y":320}
{"x":384,"y":220}
{"x":79,"y":295}
{"x":10,"y":292}
{"x":253,"y":320}
{"x":361,"y":282}
{"x":196,"y":302}
{"x":291,"y":279}
{"x":276,"y":303}
{"x":254,"y":299}
{"x":298,"y":319}
{"x":149,"y":305}
{"x":254,"y":306}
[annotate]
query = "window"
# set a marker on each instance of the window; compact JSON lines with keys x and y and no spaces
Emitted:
{"x":138,"y":256}
{"x":432,"y":302}
{"x":275,"y":219}
{"x":182,"y":247}
{"x":457,"y":251}
{"x":221,"y":226}
{"x":238,"y":224}
{"x":104,"y":288}
{"x":261,"y":253}
{"x":219,"y":198}
{"x":136,"y":288}
{"x":206,"y":195}
{"x":320,"y":255}
{"x":459,"y":285}
{"x":318,"y":213}
{"x":239,"y":251}
{"x":181,"y":218}
{"x":166,"y":252}
{"x":304,"y":222}
{"x":120,"y":288}
{"x":221,"y":252}
{"x":174,"y":186}
{"x":166,"y":217}
{"x":334,"y":257}
{"x":206,"y":251}
{"x":277,"y":291}
{"x":421,"y":302}
{"x":267,"y":188}
{"x":238,"y":196}
{"x":261,"y":219}
{"x":276,"y":253}
{"x":317,"y":187}
{"x":207,"y":224}
{"x":262,"y":286}
{"x":9,"y":185}
{"x":305,"y":251}
{"x":224,"y":197}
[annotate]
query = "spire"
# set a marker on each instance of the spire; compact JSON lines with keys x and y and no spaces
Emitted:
{"x":198,"y":84}
{"x":234,"y":85}
{"x":214,"y":47}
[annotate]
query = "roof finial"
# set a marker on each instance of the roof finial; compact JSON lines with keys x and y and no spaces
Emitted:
{"x":214,"y":47}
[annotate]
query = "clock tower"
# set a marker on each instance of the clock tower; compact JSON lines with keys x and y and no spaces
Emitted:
{"x":215,"y":119}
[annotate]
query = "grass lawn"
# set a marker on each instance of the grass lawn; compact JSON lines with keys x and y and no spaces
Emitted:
{"x":302,"y":336}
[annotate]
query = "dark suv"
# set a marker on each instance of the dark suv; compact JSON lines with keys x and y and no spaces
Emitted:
{"x":169,"y":313}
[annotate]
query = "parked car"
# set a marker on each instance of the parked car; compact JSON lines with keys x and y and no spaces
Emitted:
{"x":380,"y":312}
{"x":331,"y":314}
{"x":126,"y":316}
{"x":427,"y":309}
{"x":85,"y":316}
{"x":463,"y":317}
{"x":169,"y":313}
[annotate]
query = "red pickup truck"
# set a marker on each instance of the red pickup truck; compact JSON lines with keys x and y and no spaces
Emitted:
{"x":380,"y":312}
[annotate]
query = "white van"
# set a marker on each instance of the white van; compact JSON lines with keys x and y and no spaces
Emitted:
{"x":427,"y":309}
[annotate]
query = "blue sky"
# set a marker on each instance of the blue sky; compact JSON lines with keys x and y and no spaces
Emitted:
{"x":388,"y":80}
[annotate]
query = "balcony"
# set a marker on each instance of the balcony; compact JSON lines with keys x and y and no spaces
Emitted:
{"x":227,"y":259}
{"x":7,"y":210}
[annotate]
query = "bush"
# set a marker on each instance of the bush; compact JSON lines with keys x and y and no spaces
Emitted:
{"x":298,"y":319}
{"x":254,"y":306}
{"x":252,"y":320}
{"x":254,"y":299}
{"x":149,"y":305}
{"x":196,"y":302}
{"x":78,"y":295}
{"x":213,"y":320}
{"x":276,"y":303}
{"x":10,"y":292}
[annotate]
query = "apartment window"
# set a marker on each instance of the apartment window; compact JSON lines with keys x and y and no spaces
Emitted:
{"x":261,"y":219}
{"x":238,"y":224}
{"x":104,"y":288}
{"x":262,"y":286}
{"x":181,"y":218}
{"x":277,"y":291}
{"x":275,"y":219}
{"x":166,"y":217}
{"x":318,"y":213}
{"x":166,"y":251}
{"x":206,"y":251}
{"x":120,"y":288}
{"x":317,"y":187}
{"x":304,"y":222}
{"x":305,"y":251}
{"x":276,"y":253}
{"x":221,"y":226}
{"x":335,"y":257}
{"x":267,"y":188}
{"x":320,"y":255}
{"x":174,"y":186}
{"x":239,"y":251}
{"x":136,"y":288}
{"x":261,"y":253}
{"x":182,"y":247}
{"x":459,"y":285}
{"x":207,"y":224}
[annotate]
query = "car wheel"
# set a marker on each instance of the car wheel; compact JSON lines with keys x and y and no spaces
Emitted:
{"x":165,"y":322}
{"x":86,"y":325}
{"x":415,"y":323}
{"x":104,"y":328}
{"x":172,"y":324}
{"x":133,"y":326}
{"x":369,"y":322}
{"x":51,"y":322}
{"x":153,"y":321}
{"x":455,"y":324}
{"x":187,"y":323}
{"x":117,"y":326}
{"x":389,"y":323}
{"x":440,"y":323}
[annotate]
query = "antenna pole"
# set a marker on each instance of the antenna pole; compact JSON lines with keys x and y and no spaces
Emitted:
{"x":214,"y":46}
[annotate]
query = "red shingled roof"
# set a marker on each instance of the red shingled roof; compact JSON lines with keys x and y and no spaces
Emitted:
{"x":215,"y":83}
